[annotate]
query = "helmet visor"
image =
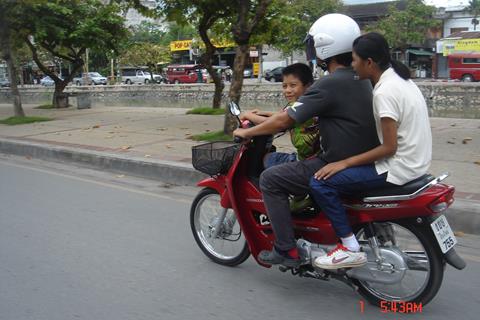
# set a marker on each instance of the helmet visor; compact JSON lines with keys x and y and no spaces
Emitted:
{"x":310,"y":47}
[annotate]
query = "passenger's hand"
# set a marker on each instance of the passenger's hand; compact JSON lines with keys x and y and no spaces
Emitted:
{"x":240,"y":133}
{"x":245,"y":115}
{"x":255,"y":111}
{"x":330,"y":169}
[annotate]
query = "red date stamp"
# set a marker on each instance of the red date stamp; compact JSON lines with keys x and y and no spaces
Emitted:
{"x":396,"y":307}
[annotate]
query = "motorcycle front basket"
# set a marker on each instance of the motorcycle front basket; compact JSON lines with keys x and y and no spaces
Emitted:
{"x":214,"y":158}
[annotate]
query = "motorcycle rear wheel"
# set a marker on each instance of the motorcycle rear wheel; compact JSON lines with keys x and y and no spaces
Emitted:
{"x":418,"y":286}
{"x":229,"y":248}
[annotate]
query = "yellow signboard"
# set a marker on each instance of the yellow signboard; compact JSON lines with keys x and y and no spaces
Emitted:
{"x":180,"y":45}
{"x":464,"y":45}
{"x":468,"y":45}
{"x":184,"y":45}
{"x":256,"y":67}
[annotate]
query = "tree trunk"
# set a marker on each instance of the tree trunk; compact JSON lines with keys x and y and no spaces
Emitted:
{"x":242,"y":30}
{"x":13,"y":77}
{"x":150,"y":69}
{"x":60,"y":98}
{"x":7,"y":55}
{"x":236,"y":85}
{"x":217,"y":96}
{"x":205,"y":23}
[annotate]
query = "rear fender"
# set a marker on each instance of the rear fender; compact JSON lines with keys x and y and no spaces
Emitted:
{"x":451,"y":257}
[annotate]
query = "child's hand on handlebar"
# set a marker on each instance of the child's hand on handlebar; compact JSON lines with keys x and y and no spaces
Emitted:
{"x":247,"y":115}
{"x":241,"y":133}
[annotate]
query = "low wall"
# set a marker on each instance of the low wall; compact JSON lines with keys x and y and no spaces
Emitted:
{"x":443,"y":99}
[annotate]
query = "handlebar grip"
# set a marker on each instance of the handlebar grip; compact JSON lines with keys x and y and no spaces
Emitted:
{"x":237,"y":139}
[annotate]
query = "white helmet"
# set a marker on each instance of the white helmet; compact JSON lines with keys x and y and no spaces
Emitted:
{"x":333,"y":34}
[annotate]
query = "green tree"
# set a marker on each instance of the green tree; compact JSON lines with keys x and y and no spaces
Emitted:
{"x":65,"y":29}
{"x":288,"y":21}
{"x":402,"y":28}
{"x":151,"y":55}
{"x":147,"y":32}
{"x":176,"y":31}
{"x":239,"y":21}
{"x":474,"y":7}
{"x":247,"y":18}
{"x":204,"y":14}
{"x":8,"y":10}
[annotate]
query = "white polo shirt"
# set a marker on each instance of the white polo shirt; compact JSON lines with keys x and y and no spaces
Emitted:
{"x":401,"y":100}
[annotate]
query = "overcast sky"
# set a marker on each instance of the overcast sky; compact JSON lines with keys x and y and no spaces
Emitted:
{"x":437,"y":3}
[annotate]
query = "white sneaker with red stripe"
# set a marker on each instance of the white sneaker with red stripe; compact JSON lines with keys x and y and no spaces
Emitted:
{"x":341,"y":257}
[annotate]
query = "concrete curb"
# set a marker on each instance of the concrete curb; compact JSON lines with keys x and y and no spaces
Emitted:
{"x":177,"y":173}
{"x":464,"y":215}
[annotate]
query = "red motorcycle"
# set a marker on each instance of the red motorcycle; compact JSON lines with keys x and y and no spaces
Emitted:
{"x":401,"y":229}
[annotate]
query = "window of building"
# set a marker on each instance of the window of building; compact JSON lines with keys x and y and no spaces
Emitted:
{"x":455,"y":30}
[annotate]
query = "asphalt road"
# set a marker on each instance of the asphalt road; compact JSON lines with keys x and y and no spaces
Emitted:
{"x":81,"y":244}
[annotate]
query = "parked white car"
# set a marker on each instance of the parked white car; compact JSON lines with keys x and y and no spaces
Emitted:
{"x":47,"y":81}
{"x":131,"y":76}
{"x":90,"y":78}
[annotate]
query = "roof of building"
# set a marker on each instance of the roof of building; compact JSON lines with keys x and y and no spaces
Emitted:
{"x":464,"y":35}
{"x":378,"y":9}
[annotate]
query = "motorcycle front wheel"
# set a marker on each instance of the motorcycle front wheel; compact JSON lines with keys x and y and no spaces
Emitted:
{"x":229,"y":247}
{"x":424,"y":275}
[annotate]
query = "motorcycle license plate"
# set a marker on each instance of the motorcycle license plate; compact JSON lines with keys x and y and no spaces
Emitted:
{"x":444,"y":234}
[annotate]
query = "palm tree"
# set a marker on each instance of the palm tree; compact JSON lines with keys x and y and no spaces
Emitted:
{"x":474,"y":7}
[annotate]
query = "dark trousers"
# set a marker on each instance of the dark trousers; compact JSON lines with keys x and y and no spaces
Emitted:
{"x":277,"y":183}
{"x":326,"y":193}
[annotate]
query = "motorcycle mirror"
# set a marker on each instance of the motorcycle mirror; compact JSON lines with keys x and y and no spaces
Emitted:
{"x":234,"y":108}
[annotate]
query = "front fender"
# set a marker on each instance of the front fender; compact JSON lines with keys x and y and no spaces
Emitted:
{"x":218,"y":184}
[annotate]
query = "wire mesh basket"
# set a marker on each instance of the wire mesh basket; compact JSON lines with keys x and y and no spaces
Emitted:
{"x":214,"y":158}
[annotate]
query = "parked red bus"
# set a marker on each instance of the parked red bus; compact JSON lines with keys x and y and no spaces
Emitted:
{"x":464,"y":66}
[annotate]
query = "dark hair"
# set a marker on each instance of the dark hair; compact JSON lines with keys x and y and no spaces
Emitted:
{"x":374,"y":46}
{"x":300,"y":71}
{"x":345,"y":59}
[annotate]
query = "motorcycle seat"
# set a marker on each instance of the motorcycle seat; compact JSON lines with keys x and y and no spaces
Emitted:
{"x":406,"y":189}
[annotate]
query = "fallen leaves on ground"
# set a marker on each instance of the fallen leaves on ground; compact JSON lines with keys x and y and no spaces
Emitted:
{"x":451,"y":142}
{"x":477,"y":162}
{"x":125,"y":147}
{"x":96,"y":126}
{"x":465,"y":140}
{"x":459,"y":233}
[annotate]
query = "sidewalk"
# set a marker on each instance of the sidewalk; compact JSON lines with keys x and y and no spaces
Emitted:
{"x":154,"y":143}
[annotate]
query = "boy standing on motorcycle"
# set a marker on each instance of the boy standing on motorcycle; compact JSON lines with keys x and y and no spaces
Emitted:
{"x":305,"y":137}
{"x":343,"y":105}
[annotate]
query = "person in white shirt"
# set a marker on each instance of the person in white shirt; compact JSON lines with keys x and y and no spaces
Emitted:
{"x":404,"y":153}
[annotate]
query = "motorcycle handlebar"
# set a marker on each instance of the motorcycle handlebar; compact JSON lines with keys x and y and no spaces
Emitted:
{"x":237,"y":139}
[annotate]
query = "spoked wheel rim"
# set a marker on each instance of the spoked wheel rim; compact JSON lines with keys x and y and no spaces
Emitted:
{"x":230,"y":242}
{"x":414,"y":283}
